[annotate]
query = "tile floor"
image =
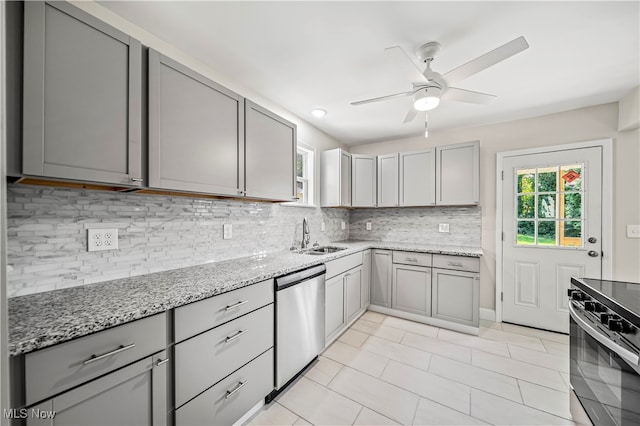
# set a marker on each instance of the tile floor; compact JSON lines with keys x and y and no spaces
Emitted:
{"x":385,"y":371}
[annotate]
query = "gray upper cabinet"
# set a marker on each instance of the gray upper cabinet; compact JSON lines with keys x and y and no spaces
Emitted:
{"x":195,"y":131}
{"x":388,"y":180}
{"x":335,"y":178}
{"x":458,"y":174}
{"x":418,"y":178}
{"x":270,"y":155}
{"x":363,"y":180}
{"x":82,"y":114}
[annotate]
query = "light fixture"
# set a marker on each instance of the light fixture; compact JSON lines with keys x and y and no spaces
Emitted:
{"x":427,"y":99}
{"x":318,"y":113}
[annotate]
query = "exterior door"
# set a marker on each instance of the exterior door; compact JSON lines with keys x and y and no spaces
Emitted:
{"x":552,"y":226}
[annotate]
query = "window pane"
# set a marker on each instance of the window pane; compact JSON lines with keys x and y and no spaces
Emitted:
{"x":573,"y":206}
{"x":526,"y":180}
{"x":300,"y":192}
{"x":526,"y":206}
{"x":547,"y":233}
{"x":573,"y":229}
{"x":547,"y":178}
{"x":300,"y":165}
{"x":526,"y":232}
{"x":547,"y":206}
{"x":571,"y":177}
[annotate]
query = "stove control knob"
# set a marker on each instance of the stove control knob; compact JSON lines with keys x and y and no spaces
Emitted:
{"x":604,"y":318}
{"x":578,"y":295}
{"x":600,"y":307}
{"x":570,"y":291}
{"x":616,"y":324}
{"x":590,"y":306}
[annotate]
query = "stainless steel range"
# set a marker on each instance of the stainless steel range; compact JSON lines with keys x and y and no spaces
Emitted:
{"x":605,"y":350}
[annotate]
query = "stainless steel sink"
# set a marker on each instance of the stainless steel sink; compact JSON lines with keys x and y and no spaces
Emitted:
{"x":322,"y":250}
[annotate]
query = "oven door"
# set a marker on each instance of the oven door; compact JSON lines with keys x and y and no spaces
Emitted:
{"x":604,"y":373}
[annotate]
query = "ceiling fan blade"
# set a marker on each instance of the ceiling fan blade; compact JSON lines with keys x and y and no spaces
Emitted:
{"x":485,"y":61}
{"x":411,"y":114}
{"x":403,"y":61}
{"x":384,"y":98}
{"x":461,"y":95}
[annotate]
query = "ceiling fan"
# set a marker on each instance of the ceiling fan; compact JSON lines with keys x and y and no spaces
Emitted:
{"x":429,"y":87}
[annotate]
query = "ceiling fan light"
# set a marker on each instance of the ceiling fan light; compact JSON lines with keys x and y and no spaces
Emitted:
{"x":428,"y":99}
{"x":318,"y":112}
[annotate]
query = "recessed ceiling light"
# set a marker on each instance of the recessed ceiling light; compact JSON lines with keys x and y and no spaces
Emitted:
{"x":319,"y":113}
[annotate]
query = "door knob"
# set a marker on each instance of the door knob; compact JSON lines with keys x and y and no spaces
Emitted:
{"x":592,"y":240}
{"x":593,"y":253}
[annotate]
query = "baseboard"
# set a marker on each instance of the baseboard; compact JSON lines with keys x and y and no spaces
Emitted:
{"x":487,"y":314}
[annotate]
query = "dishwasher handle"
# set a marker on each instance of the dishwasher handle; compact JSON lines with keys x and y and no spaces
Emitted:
{"x":300,"y":276}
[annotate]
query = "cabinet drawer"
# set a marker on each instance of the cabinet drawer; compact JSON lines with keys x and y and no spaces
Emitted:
{"x":206,"y":314}
{"x":230,"y":399}
{"x":61,"y":367}
{"x":343,"y":264}
{"x":205,"y":359}
{"x":459,"y":263}
{"x":412,"y":258}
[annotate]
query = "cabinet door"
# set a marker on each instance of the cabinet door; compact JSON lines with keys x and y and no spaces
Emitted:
{"x":418,"y":178}
{"x":388,"y":180}
{"x":334,"y":308}
{"x":270,"y":155}
{"x":353,"y":293}
{"x":195,"y":131}
{"x":412,"y":289}
{"x":363,"y":178}
{"x":458,"y":174}
{"x":133,"y":395}
{"x":345,"y":179}
{"x":81,"y":97}
{"x":381,"y":278}
{"x":456,"y":296}
{"x":366,"y":279}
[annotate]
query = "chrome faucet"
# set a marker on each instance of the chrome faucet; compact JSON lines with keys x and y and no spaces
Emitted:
{"x":306,"y":237}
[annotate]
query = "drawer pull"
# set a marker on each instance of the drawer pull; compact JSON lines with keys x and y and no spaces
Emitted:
{"x":457,"y":264}
{"x":95,"y":358}
{"x":411,"y":259}
{"x":162,"y":362}
{"x":235,"y":305}
{"x":235,"y":336}
{"x":238,"y":387}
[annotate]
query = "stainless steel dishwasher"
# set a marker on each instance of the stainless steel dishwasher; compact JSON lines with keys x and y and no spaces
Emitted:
{"x":299,"y":323}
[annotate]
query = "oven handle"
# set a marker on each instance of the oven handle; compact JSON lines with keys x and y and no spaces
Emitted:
{"x":623,"y":353}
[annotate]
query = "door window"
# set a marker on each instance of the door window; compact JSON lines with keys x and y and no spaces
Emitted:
{"x":549,"y":206}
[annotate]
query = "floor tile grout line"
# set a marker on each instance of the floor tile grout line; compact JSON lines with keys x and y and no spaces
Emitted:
{"x":358,"y":415}
{"x":524,"y":362}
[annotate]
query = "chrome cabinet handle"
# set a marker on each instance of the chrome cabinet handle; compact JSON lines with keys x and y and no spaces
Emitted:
{"x":235,"y":336}
{"x":235,"y":305}
{"x":162,"y":362}
{"x":238,"y":387}
{"x":119,"y":349}
{"x":411,"y":259}
{"x":457,"y":264}
{"x":135,"y":179}
{"x":623,"y":353}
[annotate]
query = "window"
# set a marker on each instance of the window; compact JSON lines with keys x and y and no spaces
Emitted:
{"x":304,"y":175}
{"x":549,"y":206}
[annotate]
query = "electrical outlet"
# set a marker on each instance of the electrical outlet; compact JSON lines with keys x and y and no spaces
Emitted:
{"x":343,"y":225}
{"x":227,"y":231}
{"x":322,"y":226}
{"x":633,"y":231}
{"x":102,"y":239}
{"x":368,"y":226}
{"x":443,"y":227}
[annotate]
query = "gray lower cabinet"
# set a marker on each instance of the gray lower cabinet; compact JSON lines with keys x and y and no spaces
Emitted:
{"x":411,"y":289}
{"x":366,"y":279}
{"x":456,"y":296}
{"x":231,"y":398}
{"x":381,"y":276}
{"x":196,"y":131}
{"x":353,"y":293}
{"x":82,"y":94}
{"x":133,"y":395}
{"x":270,"y":154}
{"x":334,"y":307}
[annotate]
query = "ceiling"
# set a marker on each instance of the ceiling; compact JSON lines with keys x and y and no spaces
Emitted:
{"x":303,"y":55}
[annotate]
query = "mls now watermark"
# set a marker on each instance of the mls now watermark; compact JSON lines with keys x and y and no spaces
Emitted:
{"x":27,"y":413}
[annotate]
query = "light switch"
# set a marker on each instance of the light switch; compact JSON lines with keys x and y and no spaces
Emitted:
{"x":368,"y":226}
{"x":443,"y":227}
{"x":322,"y":226}
{"x":227,"y":231}
{"x":343,"y":225}
{"x":633,"y":231}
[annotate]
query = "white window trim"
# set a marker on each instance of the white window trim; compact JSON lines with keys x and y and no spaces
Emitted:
{"x":310,"y":178}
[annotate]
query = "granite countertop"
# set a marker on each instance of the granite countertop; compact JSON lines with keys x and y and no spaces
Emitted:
{"x":44,"y":319}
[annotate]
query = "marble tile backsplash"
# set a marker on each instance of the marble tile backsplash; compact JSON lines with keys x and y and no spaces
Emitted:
{"x":47,"y":233}
{"x":418,"y":225}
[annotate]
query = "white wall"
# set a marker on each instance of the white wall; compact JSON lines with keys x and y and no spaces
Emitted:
{"x":597,"y":122}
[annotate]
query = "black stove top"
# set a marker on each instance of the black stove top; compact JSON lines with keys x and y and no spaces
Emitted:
{"x":621,"y":297}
